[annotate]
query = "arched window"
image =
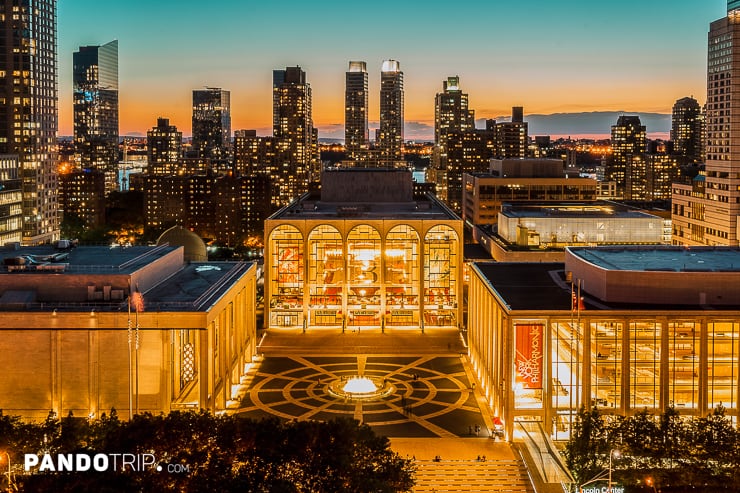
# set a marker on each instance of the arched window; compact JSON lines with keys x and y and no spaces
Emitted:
{"x":401,"y":257}
{"x":364,"y":275}
{"x":286,"y":273}
{"x":325,"y":275}
{"x":441,"y":275}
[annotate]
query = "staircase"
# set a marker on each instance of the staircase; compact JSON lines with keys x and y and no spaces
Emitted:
{"x":497,"y":475}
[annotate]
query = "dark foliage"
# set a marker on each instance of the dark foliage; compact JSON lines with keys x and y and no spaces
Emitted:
{"x":202,"y":452}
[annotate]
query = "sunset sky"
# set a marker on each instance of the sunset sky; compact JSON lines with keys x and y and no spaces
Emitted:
{"x":548,"y":56}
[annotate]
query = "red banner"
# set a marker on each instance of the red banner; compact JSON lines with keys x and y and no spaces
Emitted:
{"x":529,"y":347}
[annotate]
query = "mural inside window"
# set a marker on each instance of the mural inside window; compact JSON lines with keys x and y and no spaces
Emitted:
{"x":286,"y":277}
{"x":440,"y":276}
{"x":363,"y":275}
{"x":402,"y":276}
{"x":325,"y":276}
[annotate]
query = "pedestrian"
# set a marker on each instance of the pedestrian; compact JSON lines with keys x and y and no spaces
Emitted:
{"x":470,"y":430}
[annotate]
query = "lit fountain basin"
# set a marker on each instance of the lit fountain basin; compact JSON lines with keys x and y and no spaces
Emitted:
{"x":360,"y":388}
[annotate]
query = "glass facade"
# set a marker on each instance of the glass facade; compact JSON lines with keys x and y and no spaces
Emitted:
{"x":621,"y":362}
{"x":367,"y":276}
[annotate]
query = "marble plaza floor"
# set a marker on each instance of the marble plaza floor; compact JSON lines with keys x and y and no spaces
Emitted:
{"x":431,"y":395}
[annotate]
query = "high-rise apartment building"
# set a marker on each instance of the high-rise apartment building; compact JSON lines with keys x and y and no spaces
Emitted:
{"x":163,"y":148}
{"x":451,"y":112}
{"x":297,"y":161}
{"x":28,"y":109}
{"x":628,"y":141}
{"x":687,"y":124}
{"x":254,"y":153}
{"x":459,"y":147}
{"x":390,"y":134}
{"x":355,"y":112}
{"x":512,"y":137}
{"x":212,"y":123}
{"x":706,"y":211}
{"x":95,"y":98}
{"x":11,"y":198}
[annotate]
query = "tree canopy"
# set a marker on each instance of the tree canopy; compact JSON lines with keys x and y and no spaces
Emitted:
{"x":197,"y":451}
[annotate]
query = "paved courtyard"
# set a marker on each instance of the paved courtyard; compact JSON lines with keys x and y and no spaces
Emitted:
{"x":430,"y":395}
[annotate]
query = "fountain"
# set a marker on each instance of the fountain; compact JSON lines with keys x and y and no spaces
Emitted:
{"x":358,"y":387}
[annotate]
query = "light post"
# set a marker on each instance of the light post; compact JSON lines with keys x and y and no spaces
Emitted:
{"x":10,"y":479}
{"x":612,"y":453}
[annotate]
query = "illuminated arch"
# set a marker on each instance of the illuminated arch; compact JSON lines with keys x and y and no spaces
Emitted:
{"x":441,"y":276}
{"x":325,"y":274}
{"x":364,"y":275}
{"x":286,"y":266}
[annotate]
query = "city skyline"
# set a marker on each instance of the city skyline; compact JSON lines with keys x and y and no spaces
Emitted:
{"x":571,"y":57}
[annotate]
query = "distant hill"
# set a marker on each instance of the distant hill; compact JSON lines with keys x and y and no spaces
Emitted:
{"x":588,"y":123}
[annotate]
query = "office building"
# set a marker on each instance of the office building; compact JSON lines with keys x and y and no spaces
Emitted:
{"x":297,"y":160}
{"x":622,"y":329}
{"x":628,"y":141}
{"x":163,"y":148}
{"x":687,"y":130}
{"x":356,"y":137}
{"x":520,"y":180}
{"x":95,"y":98}
{"x":137,"y":329}
{"x":364,"y":253}
{"x":706,"y":210}
{"x":28,"y":110}
{"x":390,"y":134}
{"x":212,"y":124}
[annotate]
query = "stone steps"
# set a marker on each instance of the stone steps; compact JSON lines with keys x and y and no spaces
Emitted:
{"x":492,"y":476}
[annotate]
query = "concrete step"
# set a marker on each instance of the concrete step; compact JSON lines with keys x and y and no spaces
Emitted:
{"x":491,"y":476}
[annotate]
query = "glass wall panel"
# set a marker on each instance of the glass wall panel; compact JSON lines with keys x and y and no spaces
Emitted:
{"x":683,"y":365}
{"x":644,"y":364}
{"x":606,"y":364}
{"x":286,"y":277}
{"x":566,"y":355}
{"x":325,"y":275}
{"x":723,"y":363}
{"x":364,"y":276}
{"x":440,"y":276}
{"x":402,"y":276}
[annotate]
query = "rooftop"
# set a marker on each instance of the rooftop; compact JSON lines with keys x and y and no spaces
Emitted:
{"x":673,"y":259}
{"x":542,"y":287}
{"x":586,"y":210}
{"x":87,"y":259}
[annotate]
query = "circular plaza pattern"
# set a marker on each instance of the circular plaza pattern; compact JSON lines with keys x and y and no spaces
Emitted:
{"x":418,"y":396}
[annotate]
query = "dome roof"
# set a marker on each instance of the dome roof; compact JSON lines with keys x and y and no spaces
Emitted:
{"x":195,"y":247}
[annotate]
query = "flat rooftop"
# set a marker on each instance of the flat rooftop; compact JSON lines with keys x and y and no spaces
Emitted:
{"x":542,"y":286}
{"x":312,"y":208}
{"x":671,"y":259}
{"x":88,"y":259}
{"x":580,"y":210}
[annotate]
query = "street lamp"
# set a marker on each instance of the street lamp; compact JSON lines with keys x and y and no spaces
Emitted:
{"x":10,"y":480}
{"x":616,"y":454}
{"x":651,"y":483}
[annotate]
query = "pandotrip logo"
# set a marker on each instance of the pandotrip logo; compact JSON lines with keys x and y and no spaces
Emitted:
{"x":99,"y":463}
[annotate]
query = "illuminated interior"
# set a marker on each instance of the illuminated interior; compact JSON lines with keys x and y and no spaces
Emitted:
{"x":363,"y":278}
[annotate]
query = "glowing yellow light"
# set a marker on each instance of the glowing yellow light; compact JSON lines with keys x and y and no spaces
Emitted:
{"x":359,"y":385}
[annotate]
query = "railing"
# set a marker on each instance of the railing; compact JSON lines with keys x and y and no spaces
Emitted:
{"x":549,"y":463}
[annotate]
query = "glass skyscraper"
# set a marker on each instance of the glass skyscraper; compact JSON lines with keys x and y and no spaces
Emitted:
{"x":95,"y":81}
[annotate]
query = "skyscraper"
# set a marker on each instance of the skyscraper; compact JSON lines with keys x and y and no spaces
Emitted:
{"x":28,"y":109}
{"x":459,"y":147}
{"x":390,"y":134}
{"x":297,"y":160}
{"x":627,"y":141}
{"x":705,"y":212}
{"x":95,"y":97}
{"x":212,"y":123}
{"x":355,"y":111}
{"x":163,"y":148}
{"x":686,"y":129}
{"x":512,"y":137}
